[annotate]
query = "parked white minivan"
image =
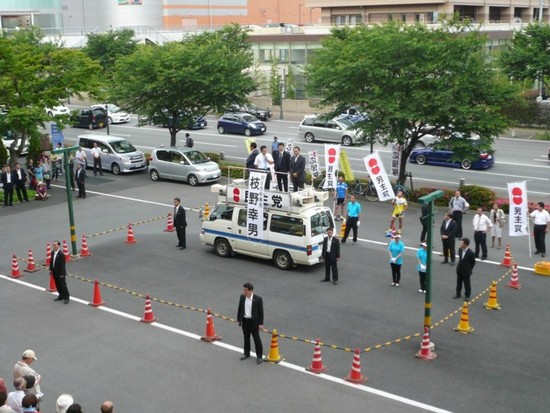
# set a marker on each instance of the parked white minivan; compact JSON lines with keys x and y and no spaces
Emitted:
{"x":118,"y":155}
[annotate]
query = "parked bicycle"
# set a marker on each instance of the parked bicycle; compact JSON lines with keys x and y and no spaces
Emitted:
{"x":360,"y":190}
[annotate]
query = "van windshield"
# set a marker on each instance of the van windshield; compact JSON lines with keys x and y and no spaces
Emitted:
{"x":196,"y":157}
{"x":320,"y":222}
{"x":123,"y":146}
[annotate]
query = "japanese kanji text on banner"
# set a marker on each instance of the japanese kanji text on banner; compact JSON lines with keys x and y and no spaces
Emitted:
{"x":255,"y":205}
{"x":332,"y":160}
{"x":379,"y":177}
{"x":396,"y":154}
{"x":517,"y":193}
{"x":313,"y":162}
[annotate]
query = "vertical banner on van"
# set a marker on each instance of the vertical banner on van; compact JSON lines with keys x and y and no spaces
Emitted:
{"x":332,"y":163}
{"x":379,"y":177}
{"x":255,"y":205}
{"x":396,"y":154}
{"x":247,"y":142}
{"x":313,"y":163}
{"x":517,"y":193}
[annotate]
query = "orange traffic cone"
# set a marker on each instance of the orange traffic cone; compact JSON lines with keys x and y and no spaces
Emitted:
{"x":206,"y":211}
{"x":52,"y":288}
{"x":210,"y":332}
{"x":84,"y":252}
{"x":425,"y":352}
{"x":316,"y":365}
{"x":514,"y":281}
{"x":97,"y":296}
{"x":48,"y":255}
{"x":169,"y":224}
{"x":464,"y":324}
{"x":507,"y":260}
{"x":31,"y":267}
{"x":273,"y":355}
{"x":15,"y":273}
{"x":148,"y":316}
{"x":66,"y":251}
{"x":492,"y":304}
{"x":130,"y":238}
{"x":343,"y":229}
{"x":355,"y":375}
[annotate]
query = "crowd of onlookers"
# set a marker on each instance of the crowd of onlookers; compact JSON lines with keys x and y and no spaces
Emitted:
{"x":27,"y":395}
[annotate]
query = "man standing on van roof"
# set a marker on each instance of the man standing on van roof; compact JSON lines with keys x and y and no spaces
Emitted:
{"x":264,"y":162}
{"x":298,"y":170}
{"x":180,"y":223}
{"x":252,"y":156}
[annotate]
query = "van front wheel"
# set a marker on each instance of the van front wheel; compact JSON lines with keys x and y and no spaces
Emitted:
{"x":282,"y":260}
{"x":222,"y":247}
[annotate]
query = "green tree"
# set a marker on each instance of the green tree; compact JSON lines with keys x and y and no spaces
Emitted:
{"x":181,"y":80}
{"x":290,"y":84}
{"x":35,"y":75}
{"x":527,"y":55}
{"x":275,"y":83}
{"x":107,"y":48}
{"x":412,"y":80}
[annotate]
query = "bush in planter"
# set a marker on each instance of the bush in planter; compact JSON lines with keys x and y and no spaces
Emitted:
{"x":477,"y":196}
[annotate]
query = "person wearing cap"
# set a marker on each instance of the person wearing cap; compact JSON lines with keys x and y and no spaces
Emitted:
{"x":541,"y":225}
{"x":63,"y":402}
{"x":15,"y":397}
{"x":396,"y":248}
{"x":422,"y":256}
{"x":23,"y":368}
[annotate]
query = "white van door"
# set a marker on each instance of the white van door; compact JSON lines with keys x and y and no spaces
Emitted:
{"x":244,"y":243}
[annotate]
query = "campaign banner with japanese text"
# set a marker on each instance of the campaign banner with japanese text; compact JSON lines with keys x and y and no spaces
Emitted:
{"x":396,"y":154}
{"x":255,"y":205}
{"x":379,"y":177}
{"x":289,"y":145}
{"x":332,"y":163}
{"x":313,"y":164}
{"x":518,"y":223}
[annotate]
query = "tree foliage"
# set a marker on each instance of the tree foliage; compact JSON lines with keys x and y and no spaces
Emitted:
{"x":35,"y":75}
{"x":185,"y":79}
{"x":107,"y":48}
{"x":413,"y":80}
{"x":527,"y":55}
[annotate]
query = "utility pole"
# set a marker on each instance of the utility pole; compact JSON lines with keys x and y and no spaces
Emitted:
{"x":66,"y":152}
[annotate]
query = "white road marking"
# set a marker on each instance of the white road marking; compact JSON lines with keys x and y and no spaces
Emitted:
{"x":496,"y":174}
{"x":522,"y":164}
{"x":235,"y":349}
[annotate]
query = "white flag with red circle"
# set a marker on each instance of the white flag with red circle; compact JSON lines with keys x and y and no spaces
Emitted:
{"x":517,"y":193}
{"x":379,"y":177}
{"x":332,"y":163}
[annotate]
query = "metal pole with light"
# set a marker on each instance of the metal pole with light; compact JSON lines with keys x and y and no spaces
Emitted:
{"x":66,"y":156}
{"x":429,"y":199}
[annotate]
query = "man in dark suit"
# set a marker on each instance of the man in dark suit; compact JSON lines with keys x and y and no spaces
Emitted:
{"x":281,"y":158}
{"x":57,"y":268}
{"x":80,"y":177}
{"x":331,"y":256}
{"x":250,"y":316}
{"x":448,"y":233}
{"x":466,"y":263}
{"x":20,"y":181}
{"x":252,"y":156}
{"x":7,"y":185}
{"x":180,"y":222}
{"x":298,"y":170}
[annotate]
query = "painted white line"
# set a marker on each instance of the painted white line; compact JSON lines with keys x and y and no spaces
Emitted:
{"x":542,"y":160}
{"x":522,"y":164}
{"x":291,"y":366}
{"x":496,"y":174}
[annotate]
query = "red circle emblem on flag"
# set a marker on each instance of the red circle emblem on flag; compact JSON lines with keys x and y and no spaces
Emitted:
{"x":236,"y":194}
{"x":331,"y":155}
{"x":517,"y":196}
{"x":373,"y":165}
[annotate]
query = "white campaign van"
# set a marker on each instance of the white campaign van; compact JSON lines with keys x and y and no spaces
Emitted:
{"x":294,"y":224}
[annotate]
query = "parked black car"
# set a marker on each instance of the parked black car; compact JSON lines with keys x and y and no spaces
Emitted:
{"x":90,"y":118}
{"x":166,"y":120}
{"x":262,"y":114}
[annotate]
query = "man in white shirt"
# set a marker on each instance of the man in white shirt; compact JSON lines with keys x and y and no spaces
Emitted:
{"x":482,"y":225}
{"x":541,"y":221}
{"x":264,"y":162}
{"x":96,"y":153}
{"x":15,"y":397}
{"x":81,"y":156}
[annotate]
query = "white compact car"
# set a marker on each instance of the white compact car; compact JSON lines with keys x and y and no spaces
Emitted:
{"x":57,"y":110}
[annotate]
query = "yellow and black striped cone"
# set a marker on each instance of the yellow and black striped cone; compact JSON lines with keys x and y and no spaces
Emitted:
{"x":464,"y":324}
{"x":273,"y":355}
{"x":492,"y":304}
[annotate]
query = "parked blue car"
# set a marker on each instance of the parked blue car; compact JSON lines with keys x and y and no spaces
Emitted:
{"x":242,"y":123}
{"x":445,"y":157}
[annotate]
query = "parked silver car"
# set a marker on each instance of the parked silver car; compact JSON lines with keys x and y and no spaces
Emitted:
{"x":338,"y":130}
{"x":183,"y":164}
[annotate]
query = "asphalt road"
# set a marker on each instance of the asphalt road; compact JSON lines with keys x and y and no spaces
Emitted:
{"x":517,"y":158}
{"x":501,"y":367}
